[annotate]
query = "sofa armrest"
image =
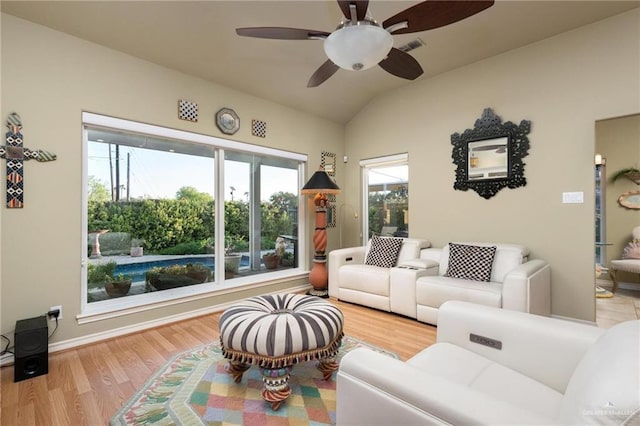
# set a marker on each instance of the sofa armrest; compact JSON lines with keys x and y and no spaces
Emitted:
{"x":340,"y":257}
{"x":543,"y":348}
{"x":375,"y":389}
{"x":527,"y":288}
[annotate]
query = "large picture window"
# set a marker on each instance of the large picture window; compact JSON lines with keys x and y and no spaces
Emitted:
{"x":160,"y":209}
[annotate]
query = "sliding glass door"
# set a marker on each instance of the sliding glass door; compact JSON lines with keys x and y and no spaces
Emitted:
{"x":386,"y":201}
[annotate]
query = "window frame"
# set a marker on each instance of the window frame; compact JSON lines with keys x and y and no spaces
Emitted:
{"x":96,"y":311}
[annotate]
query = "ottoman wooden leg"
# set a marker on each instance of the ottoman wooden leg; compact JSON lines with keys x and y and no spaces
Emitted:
{"x":237,"y":369}
{"x":327,"y":366}
{"x":276,"y":386}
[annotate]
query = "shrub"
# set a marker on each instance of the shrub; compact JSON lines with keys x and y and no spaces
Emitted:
{"x":192,"y":247}
{"x":98,"y":273}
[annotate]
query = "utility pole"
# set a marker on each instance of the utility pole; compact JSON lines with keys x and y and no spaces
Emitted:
{"x":117,"y":172}
{"x":113,"y":198}
{"x":128,"y":174}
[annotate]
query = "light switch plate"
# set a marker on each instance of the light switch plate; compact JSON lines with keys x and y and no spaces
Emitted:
{"x":572,"y":197}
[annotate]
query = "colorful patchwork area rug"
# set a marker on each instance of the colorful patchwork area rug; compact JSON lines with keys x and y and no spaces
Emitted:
{"x":193,"y":388}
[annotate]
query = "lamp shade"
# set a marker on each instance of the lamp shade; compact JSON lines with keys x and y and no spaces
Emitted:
{"x":320,"y":182}
{"x":358,"y":47}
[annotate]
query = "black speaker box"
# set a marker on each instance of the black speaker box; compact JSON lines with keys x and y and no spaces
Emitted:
{"x":31,"y":348}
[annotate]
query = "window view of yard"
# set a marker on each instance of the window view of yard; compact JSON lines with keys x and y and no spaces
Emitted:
{"x":151,"y":214}
{"x":388,"y":200}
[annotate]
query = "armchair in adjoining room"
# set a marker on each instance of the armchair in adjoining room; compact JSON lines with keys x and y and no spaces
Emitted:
{"x":630,"y":261}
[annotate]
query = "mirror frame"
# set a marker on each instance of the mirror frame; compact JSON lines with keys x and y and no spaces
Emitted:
{"x":630,"y":200}
{"x":487,"y":129}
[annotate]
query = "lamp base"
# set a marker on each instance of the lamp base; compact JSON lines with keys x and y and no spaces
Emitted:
{"x":323,"y":292}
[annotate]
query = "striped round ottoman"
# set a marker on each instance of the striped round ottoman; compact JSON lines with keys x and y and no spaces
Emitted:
{"x":275,"y":333}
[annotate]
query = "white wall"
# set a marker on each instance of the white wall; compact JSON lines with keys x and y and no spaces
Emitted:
{"x":563,"y":85}
{"x":49,"y":79}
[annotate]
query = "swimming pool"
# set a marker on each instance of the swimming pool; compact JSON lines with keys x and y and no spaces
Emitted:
{"x":137,"y":270}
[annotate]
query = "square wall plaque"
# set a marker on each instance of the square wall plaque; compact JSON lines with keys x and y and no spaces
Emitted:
{"x":259,"y":128}
{"x":187,"y":110}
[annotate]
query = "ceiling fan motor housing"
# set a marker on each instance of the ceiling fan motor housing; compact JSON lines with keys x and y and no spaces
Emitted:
{"x":358,"y":46}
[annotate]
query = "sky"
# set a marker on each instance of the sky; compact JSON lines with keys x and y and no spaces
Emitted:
{"x":160,"y":174}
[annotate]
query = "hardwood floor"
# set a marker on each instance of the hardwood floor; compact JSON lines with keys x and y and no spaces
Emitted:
{"x":87,"y":385}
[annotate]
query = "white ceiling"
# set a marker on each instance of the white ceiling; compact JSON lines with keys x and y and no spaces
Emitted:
{"x":198,"y":38}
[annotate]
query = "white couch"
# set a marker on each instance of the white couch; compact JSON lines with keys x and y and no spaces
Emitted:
{"x":516,"y":283}
{"x":351,"y":280}
{"x":548,"y":371}
{"x":416,"y":287}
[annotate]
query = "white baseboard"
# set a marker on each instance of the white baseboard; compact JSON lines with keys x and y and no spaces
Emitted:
{"x":574,"y":320}
{"x":621,"y":284}
{"x":8,"y":359}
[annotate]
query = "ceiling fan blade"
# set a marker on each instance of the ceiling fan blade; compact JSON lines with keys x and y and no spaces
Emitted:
{"x":322,"y":74}
{"x":281,"y":33}
{"x":401,"y":64}
{"x":361,"y":8}
{"x":432,"y":14}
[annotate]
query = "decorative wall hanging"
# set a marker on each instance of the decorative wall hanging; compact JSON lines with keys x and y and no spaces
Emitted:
{"x":187,"y":110}
{"x":227,"y":121}
{"x":631,"y":173}
{"x":328,"y":164}
{"x":489,"y":156}
{"x":630,"y":200}
{"x":259,"y":128}
{"x":16,"y":154}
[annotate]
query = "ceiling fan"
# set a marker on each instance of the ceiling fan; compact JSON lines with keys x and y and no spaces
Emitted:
{"x":359,"y":42}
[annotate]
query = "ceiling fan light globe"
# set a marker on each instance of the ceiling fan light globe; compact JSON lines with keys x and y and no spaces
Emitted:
{"x":358,"y":47}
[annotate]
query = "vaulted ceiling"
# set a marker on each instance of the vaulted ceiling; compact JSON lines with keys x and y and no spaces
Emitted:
{"x":199,"y":38}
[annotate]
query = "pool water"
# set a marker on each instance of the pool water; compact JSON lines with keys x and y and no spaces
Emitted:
{"x":138,"y":270}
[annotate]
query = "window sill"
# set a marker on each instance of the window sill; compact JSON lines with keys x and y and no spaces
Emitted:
{"x":114,"y":308}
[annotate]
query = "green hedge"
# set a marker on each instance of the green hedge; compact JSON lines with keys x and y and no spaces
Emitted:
{"x":184,"y":224}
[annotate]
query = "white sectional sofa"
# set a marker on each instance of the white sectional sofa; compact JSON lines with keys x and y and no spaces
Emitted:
{"x":417,"y":284}
{"x":520,"y":369}
{"x":351,"y":280}
{"x":516,"y":283}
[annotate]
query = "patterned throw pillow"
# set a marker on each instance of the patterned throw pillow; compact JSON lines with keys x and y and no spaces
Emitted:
{"x":384,"y":252}
{"x":470,"y":262}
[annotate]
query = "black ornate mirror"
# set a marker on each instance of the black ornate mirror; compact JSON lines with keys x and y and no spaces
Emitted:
{"x":489,"y":156}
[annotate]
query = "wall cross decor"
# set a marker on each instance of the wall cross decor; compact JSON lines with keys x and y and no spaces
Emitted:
{"x":16,"y":154}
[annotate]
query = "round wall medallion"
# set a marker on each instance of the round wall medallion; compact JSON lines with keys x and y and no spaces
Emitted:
{"x":228,"y":121}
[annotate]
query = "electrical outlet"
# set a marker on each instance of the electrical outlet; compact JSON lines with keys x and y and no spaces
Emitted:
{"x":54,"y":308}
